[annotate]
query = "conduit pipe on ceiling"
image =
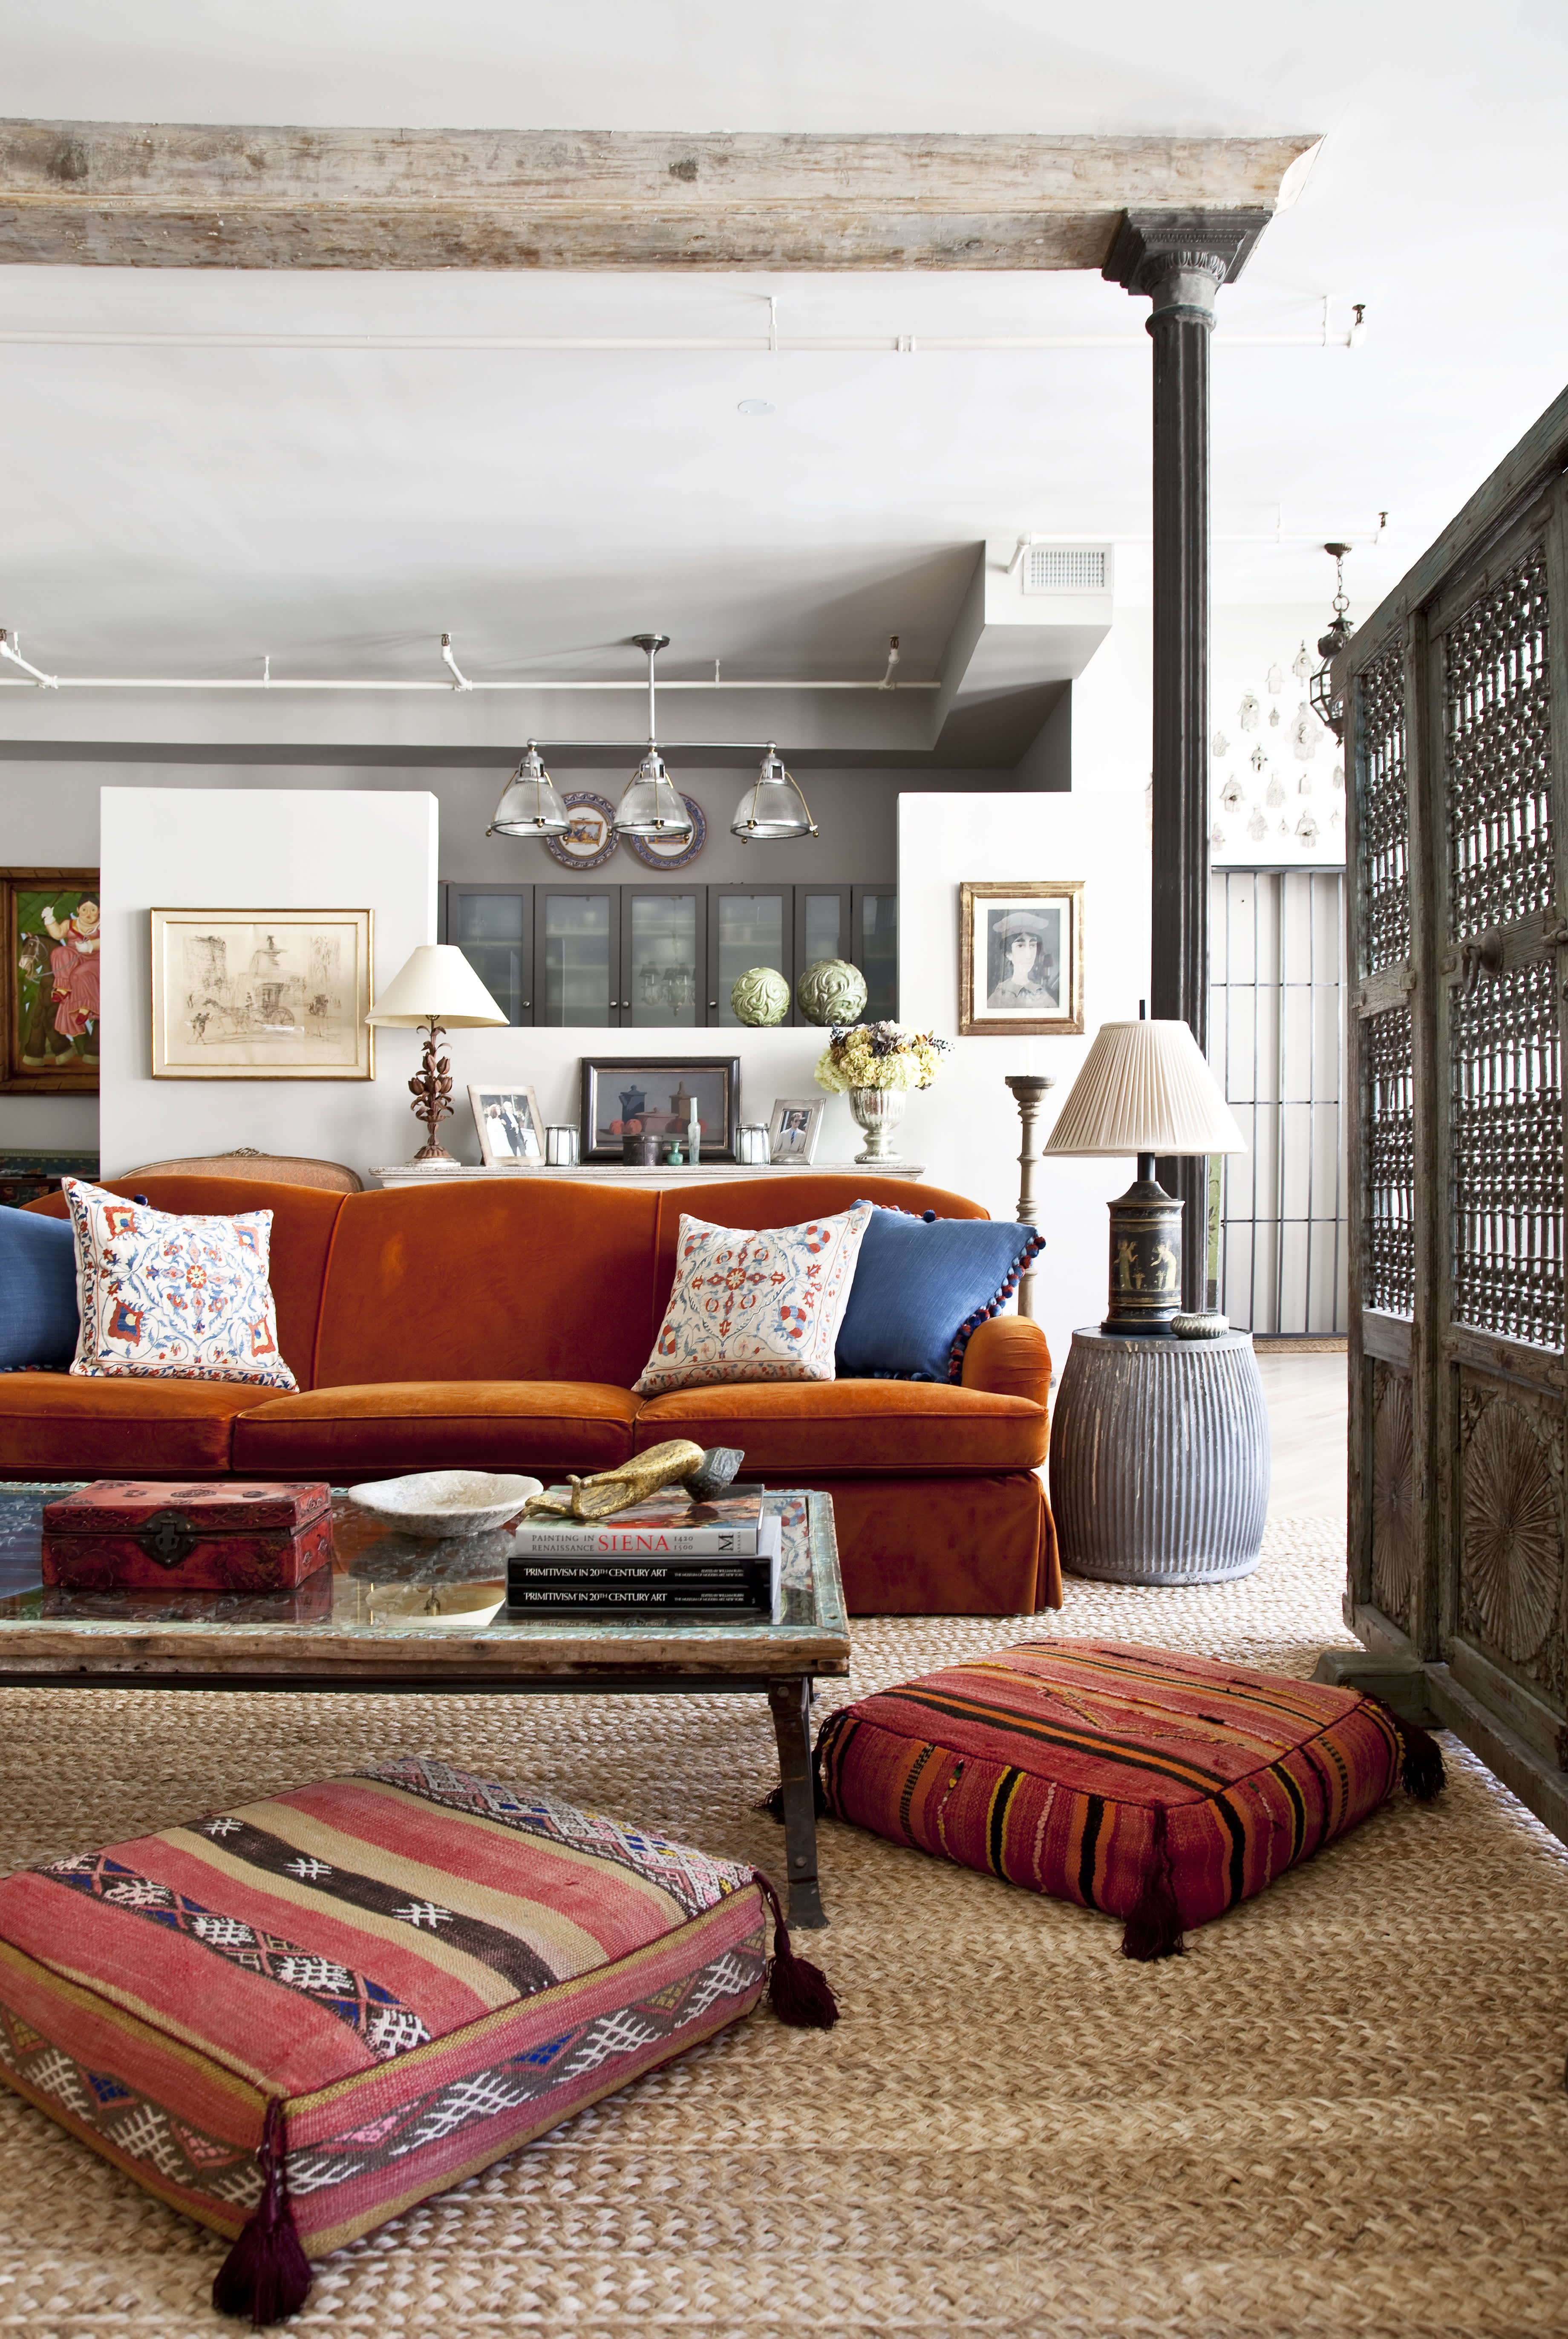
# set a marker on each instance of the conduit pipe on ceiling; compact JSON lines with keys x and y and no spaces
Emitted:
{"x":267,"y":680}
{"x":742,"y":344}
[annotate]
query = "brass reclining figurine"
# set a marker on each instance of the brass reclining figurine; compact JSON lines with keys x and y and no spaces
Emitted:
{"x":680,"y":1462}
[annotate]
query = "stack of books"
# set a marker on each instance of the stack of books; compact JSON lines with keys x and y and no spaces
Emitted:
{"x":669,"y":1557}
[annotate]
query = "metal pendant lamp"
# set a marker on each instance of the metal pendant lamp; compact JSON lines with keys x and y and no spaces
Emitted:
{"x":773,"y":809}
{"x":529,"y":805}
{"x":652,"y":805}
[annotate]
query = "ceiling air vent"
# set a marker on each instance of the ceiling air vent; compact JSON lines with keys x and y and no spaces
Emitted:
{"x":1067,"y":568}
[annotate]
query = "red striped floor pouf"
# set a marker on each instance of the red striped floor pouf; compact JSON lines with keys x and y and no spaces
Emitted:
{"x":1160,"y":1788}
{"x":295,"y":2019}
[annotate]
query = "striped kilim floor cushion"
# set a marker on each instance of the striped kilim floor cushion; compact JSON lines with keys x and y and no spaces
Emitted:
{"x":297,"y":2018}
{"x":1160,"y":1788}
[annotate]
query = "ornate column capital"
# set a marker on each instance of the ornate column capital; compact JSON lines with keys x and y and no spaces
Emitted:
{"x":1180,"y":259}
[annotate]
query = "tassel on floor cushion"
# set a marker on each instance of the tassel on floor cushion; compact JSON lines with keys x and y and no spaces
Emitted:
{"x":1160,"y":1788}
{"x":296,"y":2019}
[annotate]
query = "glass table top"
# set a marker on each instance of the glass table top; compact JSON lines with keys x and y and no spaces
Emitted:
{"x":383,"y":1585}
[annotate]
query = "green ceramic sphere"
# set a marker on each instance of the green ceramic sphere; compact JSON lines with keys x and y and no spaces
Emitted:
{"x":831,"y":990}
{"x":760,"y":995}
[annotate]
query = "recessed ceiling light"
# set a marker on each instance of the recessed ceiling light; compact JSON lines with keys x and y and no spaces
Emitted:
{"x":754,"y":406}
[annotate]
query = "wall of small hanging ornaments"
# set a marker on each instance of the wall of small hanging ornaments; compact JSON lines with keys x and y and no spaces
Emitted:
{"x":1277,"y":774}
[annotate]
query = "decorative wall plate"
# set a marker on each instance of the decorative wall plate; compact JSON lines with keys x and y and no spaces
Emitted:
{"x":590,"y":840}
{"x":674,"y":856}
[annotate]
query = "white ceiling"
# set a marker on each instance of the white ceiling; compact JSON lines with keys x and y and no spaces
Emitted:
{"x":183,"y":511}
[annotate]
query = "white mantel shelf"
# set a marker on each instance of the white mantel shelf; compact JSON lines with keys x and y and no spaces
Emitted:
{"x":618,"y":1174}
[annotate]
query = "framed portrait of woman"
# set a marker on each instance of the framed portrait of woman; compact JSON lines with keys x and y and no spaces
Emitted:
{"x":1020,"y":958}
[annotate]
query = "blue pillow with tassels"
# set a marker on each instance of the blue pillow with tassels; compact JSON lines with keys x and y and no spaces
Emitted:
{"x":921,"y":1286}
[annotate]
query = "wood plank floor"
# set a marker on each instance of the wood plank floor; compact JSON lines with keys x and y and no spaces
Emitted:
{"x":1307,"y":1419}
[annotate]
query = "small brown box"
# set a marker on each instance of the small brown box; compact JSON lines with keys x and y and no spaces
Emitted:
{"x":138,"y":1535}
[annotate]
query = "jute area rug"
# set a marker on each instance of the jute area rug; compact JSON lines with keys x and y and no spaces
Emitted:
{"x":1341,"y":2112}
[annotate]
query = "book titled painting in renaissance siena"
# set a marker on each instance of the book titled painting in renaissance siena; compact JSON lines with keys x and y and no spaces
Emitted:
{"x":726,"y":1527}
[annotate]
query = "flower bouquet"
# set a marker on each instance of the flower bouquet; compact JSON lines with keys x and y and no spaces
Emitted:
{"x":874,"y":1064}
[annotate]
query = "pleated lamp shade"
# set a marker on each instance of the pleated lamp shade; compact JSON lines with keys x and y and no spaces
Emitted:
{"x":436,"y":984}
{"x":1145,"y":1088}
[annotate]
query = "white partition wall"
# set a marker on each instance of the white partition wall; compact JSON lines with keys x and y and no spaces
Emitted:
{"x":220,"y":849}
{"x":966,"y":1128}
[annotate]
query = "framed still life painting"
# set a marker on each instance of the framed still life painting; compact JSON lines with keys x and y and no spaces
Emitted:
{"x":262,"y":995}
{"x":49,"y":981}
{"x":1020,"y":958}
{"x":653,"y":1096}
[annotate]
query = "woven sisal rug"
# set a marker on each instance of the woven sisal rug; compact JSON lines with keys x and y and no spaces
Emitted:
{"x":1342,"y":2112}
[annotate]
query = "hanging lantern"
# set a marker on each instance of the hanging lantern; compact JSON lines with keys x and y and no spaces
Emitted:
{"x":1326,"y":703}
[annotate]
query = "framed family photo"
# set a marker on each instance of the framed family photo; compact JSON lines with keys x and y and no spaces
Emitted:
{"x":795,"y":1126}
{"x":262,"y":995}
{"x":508,"y":1123}
{"x":49,"y":981}
{"x":1020,"y":958}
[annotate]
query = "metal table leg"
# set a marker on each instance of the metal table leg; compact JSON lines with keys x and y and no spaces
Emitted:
{"x":791,"y":1703}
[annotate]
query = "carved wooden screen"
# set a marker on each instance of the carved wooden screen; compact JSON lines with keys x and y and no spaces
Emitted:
{"x":1458,"y":733}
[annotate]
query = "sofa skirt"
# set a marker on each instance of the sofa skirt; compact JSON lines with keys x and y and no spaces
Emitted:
{"x":944,"y":1546}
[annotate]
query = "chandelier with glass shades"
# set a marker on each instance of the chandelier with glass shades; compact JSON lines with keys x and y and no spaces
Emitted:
{"x":772,"y":811}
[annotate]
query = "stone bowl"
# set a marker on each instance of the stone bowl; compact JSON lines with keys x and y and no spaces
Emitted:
{"x":452,"y":1503}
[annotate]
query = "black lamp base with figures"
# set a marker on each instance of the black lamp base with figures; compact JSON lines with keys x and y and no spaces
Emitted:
{"x":1145,"y":1256}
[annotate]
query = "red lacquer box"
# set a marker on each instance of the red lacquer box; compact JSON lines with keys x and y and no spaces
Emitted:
{"x":138,"y":1535}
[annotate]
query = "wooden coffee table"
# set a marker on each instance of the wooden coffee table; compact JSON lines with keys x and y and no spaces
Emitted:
{"x":218,"y":1641}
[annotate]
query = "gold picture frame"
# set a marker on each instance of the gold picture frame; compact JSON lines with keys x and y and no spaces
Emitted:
{"x":1004,"y":988}
{"x":263,"y":994}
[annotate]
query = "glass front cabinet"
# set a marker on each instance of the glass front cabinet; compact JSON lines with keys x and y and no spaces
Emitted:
{"x":639,"y":957}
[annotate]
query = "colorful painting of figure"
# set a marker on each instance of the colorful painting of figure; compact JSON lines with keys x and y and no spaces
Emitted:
{"x":51,"y":978}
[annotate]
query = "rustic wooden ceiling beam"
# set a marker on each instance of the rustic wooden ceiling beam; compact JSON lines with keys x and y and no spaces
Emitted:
{"x":128,"y":194}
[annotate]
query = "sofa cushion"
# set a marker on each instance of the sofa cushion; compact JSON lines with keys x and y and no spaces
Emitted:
{"x":173,"y":1295}
{"x":383,"y":1982}
{"x":54,"y":1426}
{"x":515,"y":1280}
{"x":901,"y":1428}
{"x":38,"y":1316}
{"x":302,"y":1224}
{"x":1158,"y":1787}
{"x":545,"y":1427}
{"x":923,"y":1285}
{"x":756,"y":1306}
{"x":783,"y":1201}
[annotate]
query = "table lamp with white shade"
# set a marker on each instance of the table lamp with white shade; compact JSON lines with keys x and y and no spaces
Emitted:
{"x":1145,"y":1088}
{"x":438,"y":987}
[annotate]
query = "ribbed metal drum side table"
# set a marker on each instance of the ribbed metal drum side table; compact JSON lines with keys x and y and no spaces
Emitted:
{"x":1159,"y":1458}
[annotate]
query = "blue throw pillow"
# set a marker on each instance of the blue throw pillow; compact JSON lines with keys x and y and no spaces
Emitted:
{"x":921,"y":1286}
{"x":38,"y":1314}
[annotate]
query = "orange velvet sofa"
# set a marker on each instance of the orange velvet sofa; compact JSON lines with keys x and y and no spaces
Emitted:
{"x":494,"y":1324}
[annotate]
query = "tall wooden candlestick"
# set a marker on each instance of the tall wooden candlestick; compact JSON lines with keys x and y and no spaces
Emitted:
{"x":1029,"y":1089}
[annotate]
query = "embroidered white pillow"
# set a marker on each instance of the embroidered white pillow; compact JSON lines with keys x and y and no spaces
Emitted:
{"x":749,"y":1307}
{"x":168,"y":1298}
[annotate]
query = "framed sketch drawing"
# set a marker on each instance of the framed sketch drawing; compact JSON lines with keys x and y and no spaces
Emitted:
{"x":794,"y":1128}
{"x":508,"y":1123}
{"x":262,"y":995}
{"x":1020,"y":958}
{"x":49,"y":981}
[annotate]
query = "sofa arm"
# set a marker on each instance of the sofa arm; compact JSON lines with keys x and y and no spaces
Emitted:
{"x":1008,"y":1355}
